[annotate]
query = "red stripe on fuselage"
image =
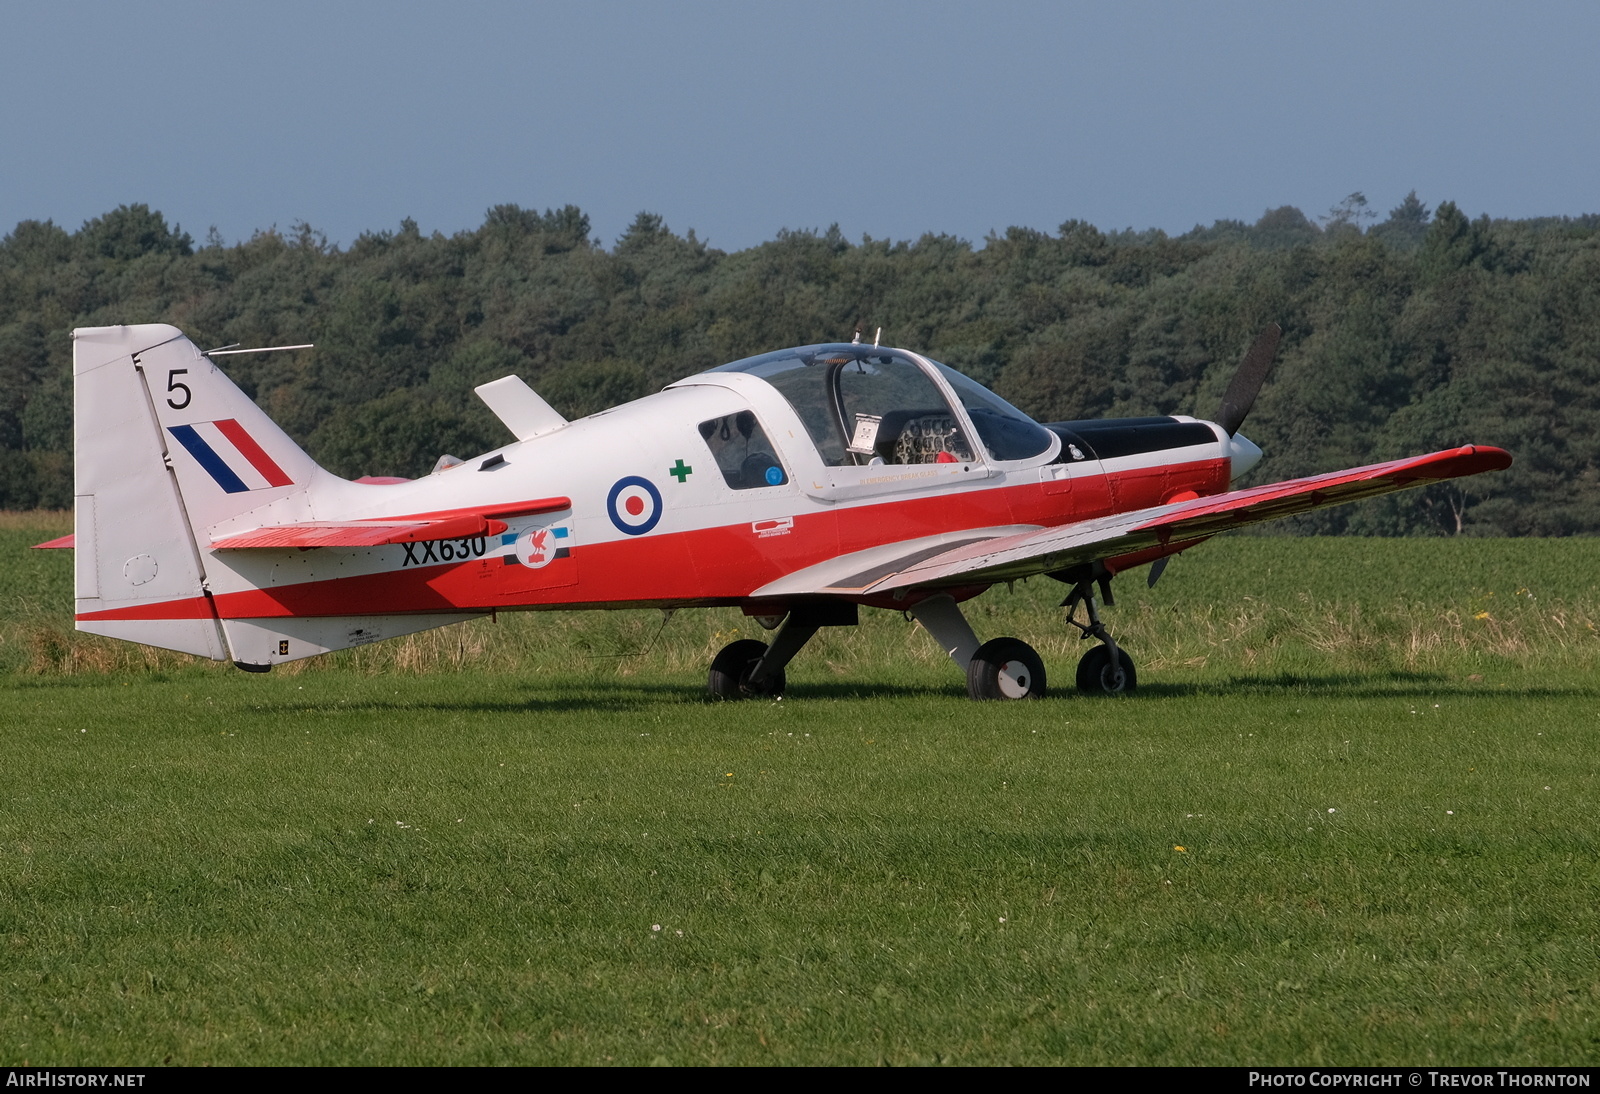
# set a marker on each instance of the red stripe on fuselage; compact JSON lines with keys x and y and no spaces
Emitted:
{"x":194,"y":607}
{"x":718,"y":565}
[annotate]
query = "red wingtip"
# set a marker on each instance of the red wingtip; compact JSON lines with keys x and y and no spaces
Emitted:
{"x":68,"y":542}
{"x":1494,"y":459}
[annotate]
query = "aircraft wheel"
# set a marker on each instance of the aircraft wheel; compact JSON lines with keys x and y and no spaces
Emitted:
{"x":1005,"y":668}
{"x":1097,"y":676}
{"x":730,"y":672}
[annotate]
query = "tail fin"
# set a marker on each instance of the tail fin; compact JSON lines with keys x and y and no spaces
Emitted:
{"x":165,"y":447}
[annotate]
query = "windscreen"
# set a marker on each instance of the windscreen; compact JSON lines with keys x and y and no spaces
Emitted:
{"x":1005,"y":431}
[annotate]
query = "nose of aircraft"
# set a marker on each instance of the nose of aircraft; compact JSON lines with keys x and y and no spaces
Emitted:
{"x":1243,"y":454}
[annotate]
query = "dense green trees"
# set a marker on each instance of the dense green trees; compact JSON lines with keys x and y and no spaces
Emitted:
{"x":1416,"y":333}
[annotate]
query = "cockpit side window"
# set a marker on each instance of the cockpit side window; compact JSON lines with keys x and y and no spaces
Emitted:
{"x":743,"y":453}
{"x":808,"y":391}
{"x":895,"y":414}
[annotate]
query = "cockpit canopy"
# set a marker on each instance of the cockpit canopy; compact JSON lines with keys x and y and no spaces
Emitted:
{"x":864,"y":405}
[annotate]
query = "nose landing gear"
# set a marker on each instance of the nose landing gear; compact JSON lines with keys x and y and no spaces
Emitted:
{"x":1098,"y":674}
{"x":1107,"y":669}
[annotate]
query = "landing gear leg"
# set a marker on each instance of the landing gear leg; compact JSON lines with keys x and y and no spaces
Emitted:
{"x":1107,"y":669}
{"x":1002,"y":668}
{"x":766,"y":675}
{"x":941,"y":617}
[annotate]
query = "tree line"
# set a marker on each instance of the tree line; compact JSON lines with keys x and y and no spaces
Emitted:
{"x":1422,"y":331}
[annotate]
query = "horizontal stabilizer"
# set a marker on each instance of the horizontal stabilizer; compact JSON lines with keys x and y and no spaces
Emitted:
{"x":359,"y":533}
{"x":415,"y":528}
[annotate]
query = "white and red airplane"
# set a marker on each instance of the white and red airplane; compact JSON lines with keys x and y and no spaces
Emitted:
{"x":799,"y":486}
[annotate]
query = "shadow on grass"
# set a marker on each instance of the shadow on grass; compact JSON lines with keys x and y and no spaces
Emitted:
{"x":1365,"y":685}
{"x":609,"y":697}
{"x":633,"y":697}
{"x":559,"y":696}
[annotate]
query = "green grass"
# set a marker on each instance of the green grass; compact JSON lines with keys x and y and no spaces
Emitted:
{"x":455,"y":849}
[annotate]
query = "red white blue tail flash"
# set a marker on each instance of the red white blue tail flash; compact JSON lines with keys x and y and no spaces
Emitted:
{"x":230,"y":456}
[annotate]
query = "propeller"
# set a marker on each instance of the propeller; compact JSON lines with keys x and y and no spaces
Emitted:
{"x":1246,"y":383}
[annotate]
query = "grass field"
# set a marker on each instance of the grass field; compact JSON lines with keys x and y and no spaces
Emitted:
{"x":1350,"y":817}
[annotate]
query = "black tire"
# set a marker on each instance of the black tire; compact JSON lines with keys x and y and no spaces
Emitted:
{"x":1005,"y":668}
{"x":730,"y":672}
{"x":1095,"y":675}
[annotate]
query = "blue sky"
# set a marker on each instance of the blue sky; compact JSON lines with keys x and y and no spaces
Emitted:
{"x":740,"y":119}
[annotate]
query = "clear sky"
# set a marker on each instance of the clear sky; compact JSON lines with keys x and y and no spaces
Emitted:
{"x":740,"y":119}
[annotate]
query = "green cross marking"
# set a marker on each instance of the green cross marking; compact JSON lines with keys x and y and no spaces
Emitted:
{"x":681,"y":471}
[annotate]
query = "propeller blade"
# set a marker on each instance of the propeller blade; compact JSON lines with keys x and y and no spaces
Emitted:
{"x":1246,"y":383}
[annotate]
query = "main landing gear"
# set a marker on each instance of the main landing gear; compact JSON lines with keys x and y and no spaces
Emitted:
{"x":749,"y":669}
{"x":1001,"y":668}
{"x":1005,"y":668}
{"x":1008,"y":668}
{"x":733,"y":667}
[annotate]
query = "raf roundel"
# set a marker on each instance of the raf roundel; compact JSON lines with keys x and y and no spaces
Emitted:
{"x":634,"y":505}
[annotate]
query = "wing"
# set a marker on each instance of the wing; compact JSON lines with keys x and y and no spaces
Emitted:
{"x":984,"y":556}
